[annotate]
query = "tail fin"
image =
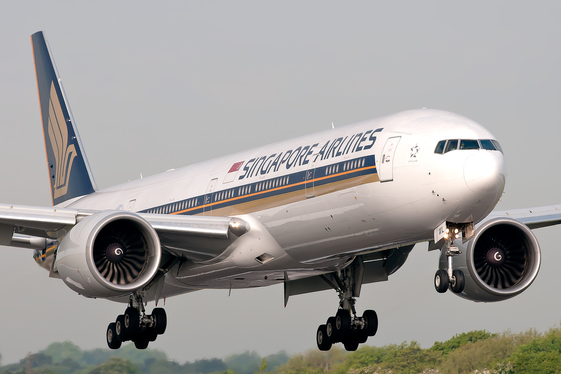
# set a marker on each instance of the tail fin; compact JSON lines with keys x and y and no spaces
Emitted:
{"x":68,"y":166}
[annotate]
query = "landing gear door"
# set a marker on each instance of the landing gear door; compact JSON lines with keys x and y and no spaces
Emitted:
{"x":385,"y":167}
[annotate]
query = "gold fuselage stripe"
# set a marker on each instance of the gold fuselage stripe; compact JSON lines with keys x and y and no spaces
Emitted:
{"x":290,"y":196}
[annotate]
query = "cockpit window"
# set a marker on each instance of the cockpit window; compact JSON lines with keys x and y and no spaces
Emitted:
{"x":469,"y":144}
{"x":445,"y":146}
{"x":497,"y":145}
{"x":440,"y":147}
{"x":488,"y":145}
{"x":452,"y":145}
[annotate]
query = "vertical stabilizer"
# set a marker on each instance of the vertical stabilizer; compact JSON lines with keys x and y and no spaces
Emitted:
{"x":68,"y":166}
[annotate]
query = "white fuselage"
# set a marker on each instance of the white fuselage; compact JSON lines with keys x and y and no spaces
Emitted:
{"x":316,"y":201}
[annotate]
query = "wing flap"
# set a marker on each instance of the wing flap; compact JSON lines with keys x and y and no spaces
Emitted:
{"x":47,"y":219}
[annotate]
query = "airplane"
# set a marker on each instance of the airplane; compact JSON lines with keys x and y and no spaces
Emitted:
{"x":331,"y":210}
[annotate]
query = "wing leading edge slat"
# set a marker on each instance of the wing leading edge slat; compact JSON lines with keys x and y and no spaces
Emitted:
{"x":534,"y":218}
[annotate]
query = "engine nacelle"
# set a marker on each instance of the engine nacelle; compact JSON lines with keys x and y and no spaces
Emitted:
{"x":500,"y":261}
{"x":108,"y":254}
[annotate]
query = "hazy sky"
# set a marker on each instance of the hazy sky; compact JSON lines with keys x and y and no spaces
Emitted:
{"x":159,"y":86}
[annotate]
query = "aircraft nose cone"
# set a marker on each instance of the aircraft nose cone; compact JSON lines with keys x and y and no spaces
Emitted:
{"x":484,"y":171}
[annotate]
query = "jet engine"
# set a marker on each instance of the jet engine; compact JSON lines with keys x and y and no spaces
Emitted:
{"x":108,"y":254}
{"x":500,"y":261}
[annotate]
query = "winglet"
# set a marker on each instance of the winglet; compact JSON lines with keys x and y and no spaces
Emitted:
{"x":69,"y":171}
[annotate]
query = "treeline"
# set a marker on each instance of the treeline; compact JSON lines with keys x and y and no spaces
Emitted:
{"x":68,"y":358}
{"x":477,"y":352}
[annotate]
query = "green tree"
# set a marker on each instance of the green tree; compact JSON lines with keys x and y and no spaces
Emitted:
{"x":541,"y":355}
{"x":276,"y":359}
{"x":116,"y":365}
{"x":243,"y":363}
{"x":97,"y":356}
{"x":460,"y":339}
{"x":61,"y":351}
{"x":205,"y":366}
{"x":313,"y":362}
{"x":263,"y":366}
{"x":162,"y":366}
{"x":137,"y":356}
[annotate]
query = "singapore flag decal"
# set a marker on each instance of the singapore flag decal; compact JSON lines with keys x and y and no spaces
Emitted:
{"x":233,"y":172}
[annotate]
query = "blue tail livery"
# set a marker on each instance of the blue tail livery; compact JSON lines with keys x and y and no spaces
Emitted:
{"x":69,"y":171}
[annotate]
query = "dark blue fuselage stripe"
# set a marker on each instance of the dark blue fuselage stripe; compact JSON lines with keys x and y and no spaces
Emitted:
{"x":320,"y":176}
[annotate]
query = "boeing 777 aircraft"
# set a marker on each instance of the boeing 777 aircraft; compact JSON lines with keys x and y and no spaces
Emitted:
{"x":336,"y":209}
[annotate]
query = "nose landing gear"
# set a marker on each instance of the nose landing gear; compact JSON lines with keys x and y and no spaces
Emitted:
{"x":136,"y":325}
{"x":450,"y":278}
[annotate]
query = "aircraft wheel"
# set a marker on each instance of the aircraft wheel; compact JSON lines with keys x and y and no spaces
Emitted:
{"x":113,"y":341}
{"x":131,"y":322}
{"x":120,"y":328}
{"x":151,"y":334}
{"x":371,"y":319}
{"x":351,"y":343}
{"x":441,"y":281}
{"x":361,"y":336}
{"x":342,"y":323}
{"x":159,"y":314}
{"x":331,"y":330}
{"x":322,"y":340}
{"x":141,"y":342}
{"x":460,"y":282}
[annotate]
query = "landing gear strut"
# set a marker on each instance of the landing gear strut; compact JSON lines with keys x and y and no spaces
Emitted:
{"x":136,"y":325}
{"x":346,"y":327}
{"x":450,"y":278}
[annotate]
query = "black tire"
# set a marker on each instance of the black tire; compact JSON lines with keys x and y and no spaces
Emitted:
{"x":120,"y":328}
{"x":351,"y":343}
{"x":342,"y":323}
{"x":132,"y":322}
{"x":113,"y":341}
{"x":361,"y":336}
{"x":330,"y":328}
{"x":371,"y":319}
{"x":441,"y":281}
{"x":460,"y":282}
{"x":151,"y":334}
{"x":323,"y":342}
{"x":161,"y":318}
{"x":141,"y":342}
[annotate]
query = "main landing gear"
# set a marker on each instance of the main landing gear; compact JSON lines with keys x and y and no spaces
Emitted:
{"x":449,"y":278}
{"x":346,"y":327}
{"x":136,"y":325}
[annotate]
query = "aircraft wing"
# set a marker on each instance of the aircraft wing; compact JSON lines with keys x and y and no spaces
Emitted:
{"x":534,"y":218}
{"x":197,"y":237}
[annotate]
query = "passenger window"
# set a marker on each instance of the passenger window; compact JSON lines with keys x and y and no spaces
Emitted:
{"x":440,"y":147}
{"x":451,"y":146}
{"x":487,"y":144}
{"x":469,"y":144}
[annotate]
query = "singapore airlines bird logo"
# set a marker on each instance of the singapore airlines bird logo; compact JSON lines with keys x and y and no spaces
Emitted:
{"x":64,"y":153}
